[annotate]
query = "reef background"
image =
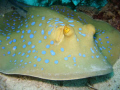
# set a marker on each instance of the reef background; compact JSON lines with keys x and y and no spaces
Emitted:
{"x":109,"y":12}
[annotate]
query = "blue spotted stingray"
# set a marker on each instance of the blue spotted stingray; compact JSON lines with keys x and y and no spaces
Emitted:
{"x":57,"y":44}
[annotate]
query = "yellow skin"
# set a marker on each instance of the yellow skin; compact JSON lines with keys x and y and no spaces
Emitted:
{"x":68,"y":56}
{"x":66,"y":30}
{"x":103,"y":31}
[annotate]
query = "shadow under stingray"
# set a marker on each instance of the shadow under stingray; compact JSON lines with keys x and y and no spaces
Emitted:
{"x":67,"y":83}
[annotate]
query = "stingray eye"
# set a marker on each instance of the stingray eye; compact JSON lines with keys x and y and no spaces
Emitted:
{"x":66,"y":30}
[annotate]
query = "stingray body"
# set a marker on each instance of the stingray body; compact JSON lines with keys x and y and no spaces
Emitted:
{"x":50,"y":45}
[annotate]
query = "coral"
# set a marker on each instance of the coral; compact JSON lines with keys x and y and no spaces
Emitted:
{"x":87,"y":9}
{"x":110,"y":13}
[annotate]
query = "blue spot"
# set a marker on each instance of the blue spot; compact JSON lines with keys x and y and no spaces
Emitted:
{"x":29,"y":31}
{"x":26,"y":26}
{"x":13,"y":54}
{"x":33,"y":23}
{"x":107,"y":41}
{"x":80,"y":33}
{"x":8,"y":37}
{"x":33,"y":46}
{"x":52,"y":42}
{"x":24,"y":46}
{"x":57,"y":19}
{"x":103,"y":32}
{"x":8,"y":33}
{"x":56,"y":62}
{"x":29,"y":62}
{"x":23,"y":31}
{"x":39,"y":59}
{"x":27,"y":56}
{"x":77,"y":39}
{"x":94,"y":37}
{"x":35,"y":31}
{"x":100,"y":48}
{"x":25,"y":63}
{"x":19,"y":26}
{"x":25,"y":20}
{"x":41,"y":68}
{"x":66,"y":58}
{"x":83,"y":35}
{"x":45,"y":37}
{"x":18,"y":31}
{"x":46,"y":61}
{"x":51,"y":25}
{"x":103,"y":47}
{"x":92,"y":56}
{"x":39,"y":41}
{"x":29,"y":51}
{"x":92,"y":50}
{"x":84,"y":55}
{"x":80,"y":29}
{"x":50,"y":18}
{"x":43,"y":18}
{"x":15,"y":47}
{"x":24,"y":40}
{"x":71,"y":25}
{"x":14,"y":40}
{"x":62,"y":24}
{"x":107,"y":37}
{"x":100,"y":39}
{"x":47,"y":46}
{"x":62,"y":49}
{"x":9,"y":52}
{"x":43,"y":52}
{"x":38,"y":15}
{"x":75,"y":64}
{"x":69,"y":56}
{"x":32,"y":16}
{"x":96,"y":41}
{"x":101,"y":42}
{"x":22,"y":36}
{"x":3,"y":47}
{"x":3,"y":54}
{"x":97,"y":56}
{"x":42,"y":32}
{"x":48,"y":21}
{"x":19,"y":53}
{"x":52,"y":52}
{"x":49,"y":32}
{"x":33,"y":50}
{"x":23,"y":54}
{"x":40,"y":24}
{"x":70,"y":21}
{"x":8,"y":24}
{"x":74,"y":58}
{"x":35,"y":65}
{"x":79,"y":54}
{"x":31,"y":35}
{"x":29,"y":43}
{"x":35,"y":57}
{"x":105,"y":57}
{"x":15,"y":60}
